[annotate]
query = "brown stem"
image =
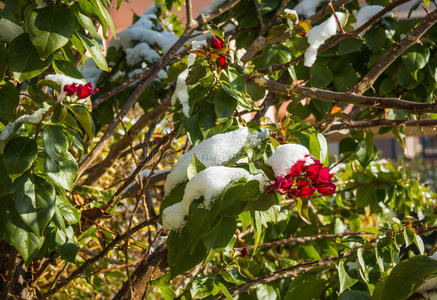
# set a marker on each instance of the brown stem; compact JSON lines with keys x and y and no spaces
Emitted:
{"x":388,"y":58}
{"x":335,"y":16}
{"x":151,"y":74}
{"x":342,"y":97}
{"x":116,"y":150}
{"x":383,"y":122}
{"x":189,"y":13}
{"x":81,"y":269}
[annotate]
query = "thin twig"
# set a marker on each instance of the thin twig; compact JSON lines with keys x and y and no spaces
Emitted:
{"x":336,"y":17}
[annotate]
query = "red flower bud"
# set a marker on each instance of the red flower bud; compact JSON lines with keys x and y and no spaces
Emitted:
{"x":217,"y":42}
{"x":244,"y":252}
{"x":222,"y":62}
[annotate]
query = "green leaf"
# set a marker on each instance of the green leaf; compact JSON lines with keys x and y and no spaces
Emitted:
{"x":405,"y":278}
{"x":16,"y":233}
{"x":345,"y":280}
{"x":66,"y":67}
{"x":194,"y":167}
{"x":386,"y":86}
{"x":346,"y":79}
{"x":65,"y":244}
{"x":202,"y":286}
{"x":221,"y":234}
{"x":9,"y":99}
{"x":305,"y":287}
{"x":349,"y":46}
{"x":19,"y":155}
{"x":24,"y":61}
{"x":414,"y":60}
{"x":55,"y":142}
{"x":266,"y":292}
{"x":36,"y":94}
{"x":355,"y":295}
{"x":375,"y":38}
{"x":68,"y":211}
{"x":63,"y":172}
{"x":105,"y":17}
{"x":179,"y":257}
{"x":95,"y":51}
{"x":84,"y":117}
{"x":223,"y":104}
{"x":196,"y":73}
{"x":49,"y":28}
{"x":86,"y":22}
{"x":9,"y":30}
{"x":5,"y":182}
{"x":321,"y":75}
{"x":3,"y":61}
{"x":34,"y":201}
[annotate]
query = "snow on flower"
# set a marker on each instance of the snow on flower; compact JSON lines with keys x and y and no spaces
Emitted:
{"x":307,"y":7}
{"x":318,"y":35}
{"x":299,"y":174}
{"x":181,"y":90}
{"x":215,"y":151}
{"x":209,"y":184}
{"x":63,"y":81}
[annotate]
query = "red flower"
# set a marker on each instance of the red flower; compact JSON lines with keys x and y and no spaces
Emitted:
{"x":217,"y":42}
{"x":244,"y":252}
{"x":324,"y":175}
{"x":306,"y":191}
{"x":70,"y":89}
{"x":297,"y":168}
{"x":82,"y":91}
{"x":303,"y":33}
{"x":313,"y":170}
{"x":222,"y":61}
{"x":282,"y":185}
{"x":326,"y":188}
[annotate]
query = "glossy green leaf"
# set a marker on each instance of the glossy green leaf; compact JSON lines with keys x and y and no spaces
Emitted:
{"x":221,"y":234}
{"x":306,"y":287}
{"x":95,"y":51}
{"x":66,"y":67}
{"x":65,"y":244}
{"x":24,"y":61}
{"x":83,"y":116}
{"x":49,"y":28}
{"x":9,"y":30}
{"x":19,"y":155}
{"x":345,"y":280}
{"x":55,"y":142}
{"x":194,"y":167}
{"x":63,"y":172}
{"x":68,"y":211}
{"x":34,"y":201}
{"x":405,"y":278}
{"x":9,"y":99}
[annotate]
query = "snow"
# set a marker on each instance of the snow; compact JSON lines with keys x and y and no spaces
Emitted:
{"x":286,"y":156}
{"x":214,"y":5}
{"x":211,"y":182}
{"x":91,"y":72}
{"x":428,"y":289}
{"x":63,"y":80}
{"x":290,"y":23}
{"x":365,"y":13}
{"x":173,"y":217}
{"x":318,"y":35}
{"x":10,"y":129}
{"x":139,"y":53}
{"x":215,"y":151}
{"x":144,"y":31}
{"x":208,"y":184}
{"x":181,"y":90}
{"x":307,"y":7}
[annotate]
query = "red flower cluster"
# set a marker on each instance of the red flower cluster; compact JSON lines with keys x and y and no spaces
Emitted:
{"x":302,"y":181}
{"x":280,"y":139}
{"x":218,"y":44}
{"x":81,"y":91}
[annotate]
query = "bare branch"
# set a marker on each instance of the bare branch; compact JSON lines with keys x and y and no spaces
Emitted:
{"x":396,"y":51}
{"x":98,"y":170}
{"x":189,"y":13}
{"x":382,"y":122}
{"x":342,"y":97}
{"x":94,"y":259}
